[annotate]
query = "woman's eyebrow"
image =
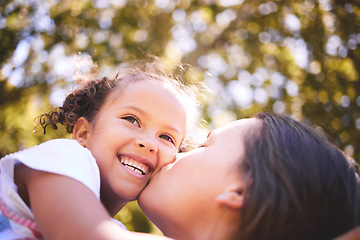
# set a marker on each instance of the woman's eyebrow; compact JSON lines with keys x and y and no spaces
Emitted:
{"x":208,"y":134}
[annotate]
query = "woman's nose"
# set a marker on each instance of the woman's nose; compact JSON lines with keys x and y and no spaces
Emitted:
{"x":147,"y":144}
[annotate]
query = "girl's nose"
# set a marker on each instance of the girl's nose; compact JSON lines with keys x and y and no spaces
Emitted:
{"x":147,"y":143}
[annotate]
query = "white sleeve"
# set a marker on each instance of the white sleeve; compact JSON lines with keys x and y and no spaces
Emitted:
{"x":64,"y":157}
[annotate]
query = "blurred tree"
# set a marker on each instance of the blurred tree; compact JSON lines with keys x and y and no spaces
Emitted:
{"x":292,"y":56}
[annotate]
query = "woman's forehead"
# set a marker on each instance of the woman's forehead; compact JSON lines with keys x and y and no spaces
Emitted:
{"x":240,"y":125}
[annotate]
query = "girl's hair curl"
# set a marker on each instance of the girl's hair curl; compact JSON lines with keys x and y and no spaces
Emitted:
{"x":83,"y":102}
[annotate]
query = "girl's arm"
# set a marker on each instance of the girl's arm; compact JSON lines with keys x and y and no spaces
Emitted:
{"x":66,"y":209}
{"x":351,"y":235}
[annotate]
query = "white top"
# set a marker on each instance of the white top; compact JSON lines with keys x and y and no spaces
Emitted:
{"x":60,"y":156}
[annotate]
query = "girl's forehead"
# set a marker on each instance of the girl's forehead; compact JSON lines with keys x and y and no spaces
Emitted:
{"x":135,"y":81}
{"x":128,"y":83}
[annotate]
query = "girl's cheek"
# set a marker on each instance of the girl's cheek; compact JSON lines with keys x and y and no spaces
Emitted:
{"x":169,"y":157}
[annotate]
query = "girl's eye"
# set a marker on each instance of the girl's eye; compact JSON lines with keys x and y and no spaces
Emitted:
{"x":167,"y":138}
{"x":132,"y":120}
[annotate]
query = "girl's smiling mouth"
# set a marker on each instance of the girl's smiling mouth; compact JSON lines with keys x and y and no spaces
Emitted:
{"x":133,"y":165}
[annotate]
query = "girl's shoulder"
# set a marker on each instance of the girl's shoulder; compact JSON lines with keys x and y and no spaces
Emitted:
{"x":60,"y":156}
{"x":51,"y":151}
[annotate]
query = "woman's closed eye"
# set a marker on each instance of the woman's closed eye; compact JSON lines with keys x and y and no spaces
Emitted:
{"x":205,"y":143}
{"x":201,"y":145}
{"x":167,"y":138}
{"x":132,"y":120}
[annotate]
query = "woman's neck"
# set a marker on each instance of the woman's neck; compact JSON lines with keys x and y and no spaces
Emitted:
{"x":221,"y":226}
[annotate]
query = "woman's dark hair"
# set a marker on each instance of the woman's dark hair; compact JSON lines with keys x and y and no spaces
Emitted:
{"x":89,"y":97}
{"x":299,"y":185}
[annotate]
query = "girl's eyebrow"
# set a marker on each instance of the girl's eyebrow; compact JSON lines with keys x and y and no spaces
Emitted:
{"x":141,"y":111}
{"x":145,"y":113}
{"x":208,"y":134}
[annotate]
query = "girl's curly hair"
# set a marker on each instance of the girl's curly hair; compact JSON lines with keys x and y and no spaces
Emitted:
{"x":87,"y":100}
{"x":83,"y":102}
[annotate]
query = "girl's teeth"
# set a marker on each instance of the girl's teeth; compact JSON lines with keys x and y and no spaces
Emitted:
{"x":134,"y":166}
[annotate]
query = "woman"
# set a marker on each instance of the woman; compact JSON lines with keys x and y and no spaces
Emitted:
{"x":268,"y":177}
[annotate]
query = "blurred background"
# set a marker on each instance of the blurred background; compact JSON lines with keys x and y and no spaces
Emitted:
{"x":300,"y":57}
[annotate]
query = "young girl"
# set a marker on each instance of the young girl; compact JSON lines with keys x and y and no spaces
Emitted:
{"x":124,"y":130}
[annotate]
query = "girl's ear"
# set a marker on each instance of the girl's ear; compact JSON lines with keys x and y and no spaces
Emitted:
{"x":81,"y":131}
{"x":231,"y":198}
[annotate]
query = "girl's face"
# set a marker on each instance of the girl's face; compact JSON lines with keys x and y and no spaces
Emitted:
{"x":183,"y":194}
{"x":138,"y":130}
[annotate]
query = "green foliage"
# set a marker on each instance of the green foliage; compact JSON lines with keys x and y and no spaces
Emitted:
{"x":292,"y":56}
{"x":134,"y":219}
